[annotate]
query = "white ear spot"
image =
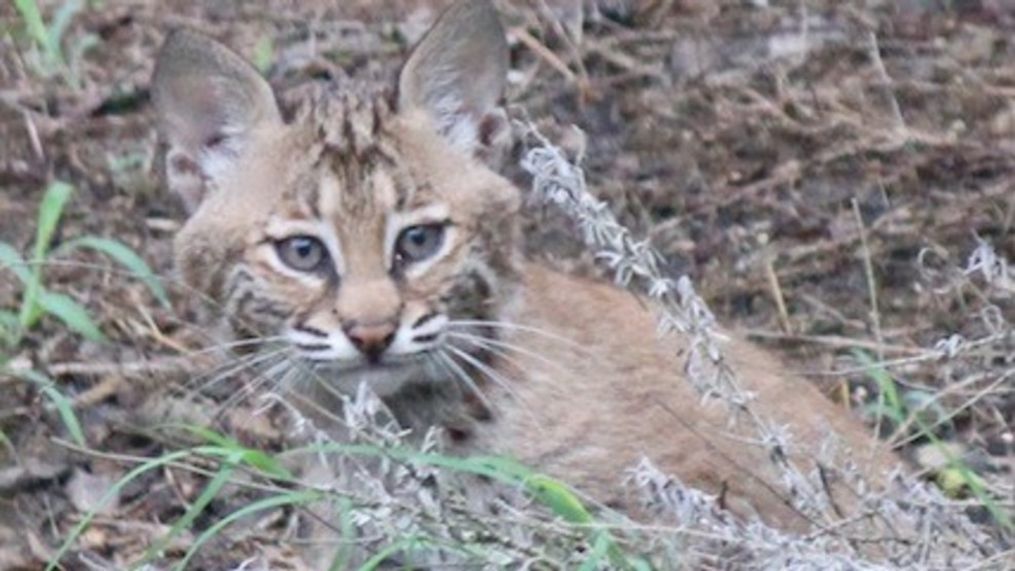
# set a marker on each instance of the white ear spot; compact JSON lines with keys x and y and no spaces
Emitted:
{"x":459,"y":128}
{"x":219,"y":155}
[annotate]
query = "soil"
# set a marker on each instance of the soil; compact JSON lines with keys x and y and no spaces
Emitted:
{"x":823,"y":171}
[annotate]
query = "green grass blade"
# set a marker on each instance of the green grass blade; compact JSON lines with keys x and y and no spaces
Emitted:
{"x":50,"y":210}
{"x":9,"y":327}
{"x":287,"y":499}
{"x":879,"y":409}
{"x":124,"y":256}
{"x":34,"y":25}
{"x":885,"y":382}
{"x":61,"y":21}
{"x":971,"y":479}
{"x":928,"y":409}
{"x":73,"y":314}
{"x":888,"y":387}
{"x":597,"y":555}
{"x":113,"y":492}
{"x":256,"y":458}
{"x":264,"y":54}
{"x":559,"y":498}
{"x":210,"y":492}
{"x":552,"y":493}
{"x":348,"y":530}
{"x":10,"y":259}
{"x":64,"y":406}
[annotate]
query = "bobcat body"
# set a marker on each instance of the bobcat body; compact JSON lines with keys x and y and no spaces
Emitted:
{"x":369,"y":234}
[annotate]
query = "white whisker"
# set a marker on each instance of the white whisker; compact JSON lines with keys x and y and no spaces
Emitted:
{"x":499,"y":380}
{"x":233,"y":345}
{"x":458,"y":372}
{"x":518,"y":327}
{"x":220,"y":373}
{"x":499,"y":348}
{"x":261,"y":378}
{"x":486,"y":370}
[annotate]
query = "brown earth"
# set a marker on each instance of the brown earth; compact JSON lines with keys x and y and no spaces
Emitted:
{"x":770,"y":152}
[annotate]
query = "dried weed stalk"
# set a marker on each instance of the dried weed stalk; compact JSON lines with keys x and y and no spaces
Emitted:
{"x":924,"y":530}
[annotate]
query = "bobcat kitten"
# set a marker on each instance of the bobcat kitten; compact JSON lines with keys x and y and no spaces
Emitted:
{"x":370,"y":235}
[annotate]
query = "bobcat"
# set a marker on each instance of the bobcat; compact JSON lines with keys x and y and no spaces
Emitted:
{"x":369,"y":233}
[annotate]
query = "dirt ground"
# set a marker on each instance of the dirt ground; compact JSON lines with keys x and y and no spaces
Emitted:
{"x":824,"y":172}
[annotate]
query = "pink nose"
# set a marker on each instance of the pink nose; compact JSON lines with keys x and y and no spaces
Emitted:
{"x":371,"y":339}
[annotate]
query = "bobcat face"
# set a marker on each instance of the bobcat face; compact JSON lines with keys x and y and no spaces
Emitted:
{"x":366,"y":257}
{"x":360,"y":232}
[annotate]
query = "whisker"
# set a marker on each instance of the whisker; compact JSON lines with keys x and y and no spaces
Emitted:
{"x":228,"y":357}
{"x":284,"y":382}
{"x":246,"y":390}
{"x":273,"y":361}
{"x":518,"y":327}
{"x":226,"y":368}
{"x":500,"y":354}
{"x":499,"y":380}
{"x":304,"y":374}
{"x":221,"y":373}
{"x":232,"y":345}
{"x":486,"y":370}
{"x":318,"y":380}
{"x":499,"y":348}
{"x":226,"y":346}
{"x":458,"y":372}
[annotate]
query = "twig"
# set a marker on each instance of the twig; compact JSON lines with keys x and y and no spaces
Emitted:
{"x":872,"y":288}
{"x":108,"y":387}
{"x":835,"y":341}
{"x":879,"y":66}
{"x":544,"y":53}
{"x":776,"y":289}
{"x":165,"y":365}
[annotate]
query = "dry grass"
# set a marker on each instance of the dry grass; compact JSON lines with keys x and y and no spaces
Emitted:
{"x":832,"y":177}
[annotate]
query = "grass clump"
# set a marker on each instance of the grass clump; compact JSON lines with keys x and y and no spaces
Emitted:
{"x":38,"y":300}
{"x":47,"y":38}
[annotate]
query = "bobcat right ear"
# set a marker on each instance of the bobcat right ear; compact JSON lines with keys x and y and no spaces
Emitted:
{"x":208,"y":100}
{"x":457,"y":73}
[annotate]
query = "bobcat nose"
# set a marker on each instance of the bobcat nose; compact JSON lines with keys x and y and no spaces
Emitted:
{"x":371,"y":339}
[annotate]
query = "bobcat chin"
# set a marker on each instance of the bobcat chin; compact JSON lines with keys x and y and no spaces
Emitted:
{"x":369,"y":235}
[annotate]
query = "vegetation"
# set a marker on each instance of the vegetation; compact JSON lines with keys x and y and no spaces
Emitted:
{"x":37,"y":301}
{"x":840,"y":188}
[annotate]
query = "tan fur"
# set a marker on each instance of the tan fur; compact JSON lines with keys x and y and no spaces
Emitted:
{"x":620,"y":396}
{"x":590,"y":386}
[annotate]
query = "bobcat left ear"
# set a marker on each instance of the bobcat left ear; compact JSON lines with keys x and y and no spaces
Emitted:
{"x":457,"y":74}
{"x":208,"y":101}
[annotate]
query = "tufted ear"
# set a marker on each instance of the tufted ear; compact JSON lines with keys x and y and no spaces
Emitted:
{"x":457,"y":74}
{"x":208,"y":100}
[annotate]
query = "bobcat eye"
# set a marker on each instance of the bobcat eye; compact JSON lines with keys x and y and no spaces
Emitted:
{"x":302,"y":253}
{"x":417,"y":243}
